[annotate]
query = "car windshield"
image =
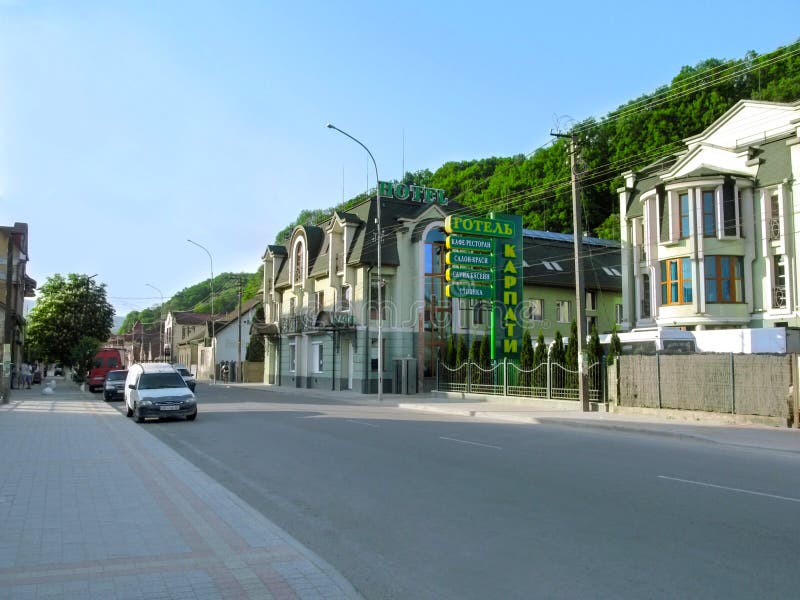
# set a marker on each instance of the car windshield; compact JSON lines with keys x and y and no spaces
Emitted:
{"x":154,"y":381}
{"x":117,"y":375}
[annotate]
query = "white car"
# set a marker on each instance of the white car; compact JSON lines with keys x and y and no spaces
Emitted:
{"x":187,"y":376}
{"x":157,"y":390}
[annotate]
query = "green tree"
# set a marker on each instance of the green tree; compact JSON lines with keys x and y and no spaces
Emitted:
{"x":526,"y":358}
{"x":449,"y":357}
{"x":486,"y":350}
{"x":614,"y":348}
{"x":255,"y":348}
{"x":557,"y":354}
{"x":540,"y":358}
{"x":81,"y":357}
{"x":594,"y":351}
{"x":68,"y":310}
{"x":462,"y":353}
{"x":571,"y":353}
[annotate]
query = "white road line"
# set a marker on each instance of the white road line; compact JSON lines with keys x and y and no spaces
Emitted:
{"x":730,"y":489}
{"x":363,"y":423}
{"x":441,"y":437}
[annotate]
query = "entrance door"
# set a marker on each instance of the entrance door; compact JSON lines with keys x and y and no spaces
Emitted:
{"x":347,"y":363}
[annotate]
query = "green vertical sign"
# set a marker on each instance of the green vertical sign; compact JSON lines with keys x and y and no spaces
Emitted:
{"x":508,"y":288}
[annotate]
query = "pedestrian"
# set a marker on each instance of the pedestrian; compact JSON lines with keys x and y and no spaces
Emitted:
{"x":26,"y":376}
{"x":13,"y":376}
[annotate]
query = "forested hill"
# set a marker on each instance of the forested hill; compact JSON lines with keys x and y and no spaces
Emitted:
{"x":537,"y":186}
{"x":198,"y":298}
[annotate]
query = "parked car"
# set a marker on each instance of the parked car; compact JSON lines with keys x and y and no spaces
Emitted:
{"x":58,"y":370}
{"x":157,"y":390}
{"x":105,"y":360}
{"x":187,"y":376}
{"x":114,"y":386}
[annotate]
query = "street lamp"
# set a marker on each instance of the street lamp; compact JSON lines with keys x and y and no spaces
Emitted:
{"x":380,"y":243}
{"x":213,"y":329}
{"x":161,"y":320}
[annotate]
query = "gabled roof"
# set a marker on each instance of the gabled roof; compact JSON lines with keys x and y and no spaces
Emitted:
{"x":187,"y":317}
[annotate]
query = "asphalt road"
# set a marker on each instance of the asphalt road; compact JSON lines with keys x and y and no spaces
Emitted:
{"x":419,"y":505}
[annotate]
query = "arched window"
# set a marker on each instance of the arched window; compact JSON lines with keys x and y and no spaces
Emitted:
{"x":299,"y":257}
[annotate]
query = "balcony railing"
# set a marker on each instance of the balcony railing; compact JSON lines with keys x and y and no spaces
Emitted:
{"x":779,"y":297}
{"x":774,"y":228}
{"x":315,"y":321}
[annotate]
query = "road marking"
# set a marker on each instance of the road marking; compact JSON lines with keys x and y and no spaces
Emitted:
{"x":363,"y":423}
{"x":441,"y":437}
{"x":730,"y":489}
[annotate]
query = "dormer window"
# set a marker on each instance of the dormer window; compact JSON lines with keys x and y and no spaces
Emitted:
{"x":299,"y":267}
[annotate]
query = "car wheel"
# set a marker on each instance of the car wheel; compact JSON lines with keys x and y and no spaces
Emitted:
{"x":192,"y":416}
{"x":106,"y":397}
{"x":128,"y":410}
{"x":138,"y":415}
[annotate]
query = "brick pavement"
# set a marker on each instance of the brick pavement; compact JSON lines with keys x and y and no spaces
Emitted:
{"x":93,"y":506}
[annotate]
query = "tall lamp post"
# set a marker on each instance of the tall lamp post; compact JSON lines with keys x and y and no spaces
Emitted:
{"x":213,"y":330}
{"x":380,"y":243}
{"x":161,"y":321}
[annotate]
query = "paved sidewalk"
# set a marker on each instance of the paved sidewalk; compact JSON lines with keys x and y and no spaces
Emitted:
{"x":93,"y":506}
{"x":708,"y":427}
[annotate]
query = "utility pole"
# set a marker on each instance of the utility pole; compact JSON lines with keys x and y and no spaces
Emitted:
{"x":239,"y":351}
{"x":580,"y":288}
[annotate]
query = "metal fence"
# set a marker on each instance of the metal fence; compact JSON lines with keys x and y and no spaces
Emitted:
{"x":550,"y":380}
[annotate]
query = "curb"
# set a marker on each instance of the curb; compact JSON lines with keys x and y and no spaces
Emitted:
{"x":588,"y":424}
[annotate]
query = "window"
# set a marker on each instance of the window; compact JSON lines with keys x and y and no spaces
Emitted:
{"x":709,"y":214}
{"x":683,"y":202}
{"x":479,"y":312}
{"x":319,"y":301}
{"x":562,"y":311}
{"x":292,"y":357}
{"x":778,"y":282}
{"x":533,"y":309}
{"x":292,"y":304}
{"x":724,"y":279}
{"x":373,"y":309}
{"x":316,"y":357}
{"x":645,"y":307}
{"x":591,"y":301}
{"x":676,"y":281}
{"x":299,"y":263}
{"x":730,"y":199}
{"x":346,"y":297}
{"x":618,"y":315}
{"x":774,"y":217}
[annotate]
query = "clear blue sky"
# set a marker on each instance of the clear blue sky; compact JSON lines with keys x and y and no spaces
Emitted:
{"x":128,"y":127}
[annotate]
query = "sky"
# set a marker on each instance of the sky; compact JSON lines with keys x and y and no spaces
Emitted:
{"x":127,"y":128}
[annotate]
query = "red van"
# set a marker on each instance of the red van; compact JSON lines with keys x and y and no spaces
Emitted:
{"x":106,"y":359}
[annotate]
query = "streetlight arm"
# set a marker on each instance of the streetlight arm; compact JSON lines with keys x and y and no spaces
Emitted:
{"x":213,"y":325}
{"x":374,"y":164}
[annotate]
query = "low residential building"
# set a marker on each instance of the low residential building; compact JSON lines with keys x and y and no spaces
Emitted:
{"x":709,"y":234}
{"x":180,"y":326}
{"x":321,"y":295}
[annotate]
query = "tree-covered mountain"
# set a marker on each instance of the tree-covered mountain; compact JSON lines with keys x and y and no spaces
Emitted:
{"x":198,"y":298}
{"x":537,"y":185}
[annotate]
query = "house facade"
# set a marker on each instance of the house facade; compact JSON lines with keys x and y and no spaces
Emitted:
{"x":709,"y":235}
{"x":15,"y":286}
{"x":321,"y":302}
{"x":179,"y":327}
